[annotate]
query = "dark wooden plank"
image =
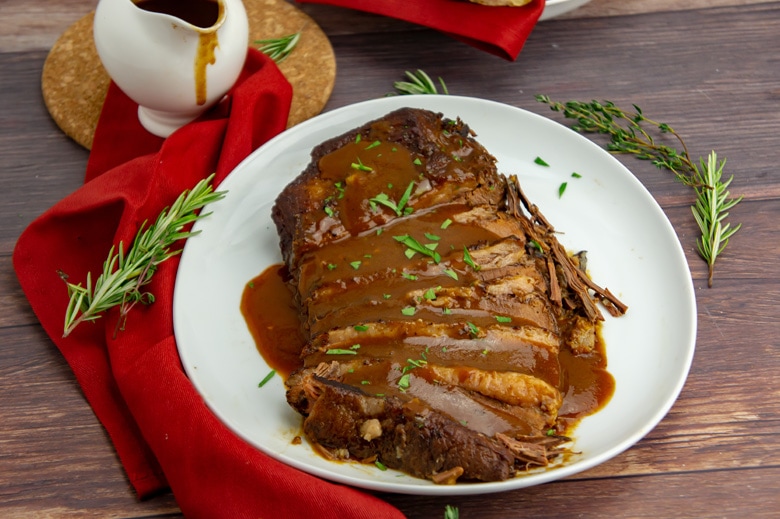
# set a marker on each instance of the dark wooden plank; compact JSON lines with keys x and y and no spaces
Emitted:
{"x":40,"y":165}
{"x":36,"y":24}
{"x":56,"y":458}
{"x":725,"y":493}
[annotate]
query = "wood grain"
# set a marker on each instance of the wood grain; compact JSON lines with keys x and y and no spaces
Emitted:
{"x":36,"y":25}
{"x":708,"y":68}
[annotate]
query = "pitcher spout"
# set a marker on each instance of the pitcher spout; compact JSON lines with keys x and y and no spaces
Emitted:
{"x":202,"y":15}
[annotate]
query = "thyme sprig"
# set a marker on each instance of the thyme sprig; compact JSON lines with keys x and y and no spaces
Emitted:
{"x":632,"y":133}
{"x":419,"y":83}
{"x":126,"y":273}
{"x":278,"y":49}
{"x":628,"y":132}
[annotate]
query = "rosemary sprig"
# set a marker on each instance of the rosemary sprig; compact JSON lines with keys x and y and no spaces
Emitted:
{"x":419,"y":83}
{"x":278,"y":49}
{"x":125,"y":274}
{"x":629,"y":133}
{"x":711,"y":209}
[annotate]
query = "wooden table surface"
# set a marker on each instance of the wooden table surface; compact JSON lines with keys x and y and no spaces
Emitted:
{"x":711,"y":69}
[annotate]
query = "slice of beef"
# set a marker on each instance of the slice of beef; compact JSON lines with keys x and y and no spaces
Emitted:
{"x":435,"y":300}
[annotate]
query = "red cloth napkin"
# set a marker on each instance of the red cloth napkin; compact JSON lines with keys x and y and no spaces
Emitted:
{"x":499,"y":30}
{"x":164,"y":434}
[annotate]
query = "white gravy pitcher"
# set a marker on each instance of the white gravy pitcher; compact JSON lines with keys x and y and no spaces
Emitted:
{"x":175,"y":58}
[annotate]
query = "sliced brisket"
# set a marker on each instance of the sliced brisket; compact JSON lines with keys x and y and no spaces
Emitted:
{"x":435,"y":300}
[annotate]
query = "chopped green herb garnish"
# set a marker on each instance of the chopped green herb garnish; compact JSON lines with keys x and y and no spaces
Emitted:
{"x":468,"y":260}
{"x":373,"y":145}
{"x":405,"y":197}
{"x":576,"y":175}
{"x":411,"y":364}
{"x":410,"y":277}
{"x":403,"y":382}
{"x":380,"y":231}
{"x":250,"y":284}
{"x":355,"y":264}
{"x":408,"y":310}
{"x":399,"y":208}
{"x":536,"y":245}
{"x":360,"y":166}
{"x":409,"y":253}
{"x":561,"y":189}
{"x":417,"y":162}
{"x":340,"y":188}
{"x":446,"y":311}
{"x":451,"y":512}
{"x":340,"y":351}
{"x":267,"y":378}
{"x":446,"y":223}
{"x":432,"y":236}
{"x":358,"y":138}
{"x":541,"y":162}
{"x":378,"y":463}
{"x":386,"y":296}
{"x":416,"y":246}
{"x":430,"y":294}
{"x":360,"y":328}
{"x":365,"y":382}
{"x":451,"y":273}
{"x":473,"y":330}
{"x":503,"y":319}
{"x":329,"y":211}
{"x":331,"y":266}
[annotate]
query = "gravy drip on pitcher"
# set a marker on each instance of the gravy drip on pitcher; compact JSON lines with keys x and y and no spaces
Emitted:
{"x":202,"y":14}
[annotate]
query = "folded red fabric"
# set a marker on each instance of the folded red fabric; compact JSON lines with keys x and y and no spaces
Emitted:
{"x":165,"y":435}
{"x":500,"y":30}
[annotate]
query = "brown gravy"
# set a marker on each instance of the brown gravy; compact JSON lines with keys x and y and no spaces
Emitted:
{"x":200,"y":13}
{"x":272,"y":319}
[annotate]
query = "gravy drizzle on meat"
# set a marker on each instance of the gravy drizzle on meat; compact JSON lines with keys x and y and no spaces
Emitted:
{"x":441,"y":318}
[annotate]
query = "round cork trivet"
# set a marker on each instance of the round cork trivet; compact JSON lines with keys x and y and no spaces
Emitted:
{"x":74,"y":82}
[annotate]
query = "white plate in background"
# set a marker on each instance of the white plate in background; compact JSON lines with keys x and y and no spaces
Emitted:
{"x":553,"y":8}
